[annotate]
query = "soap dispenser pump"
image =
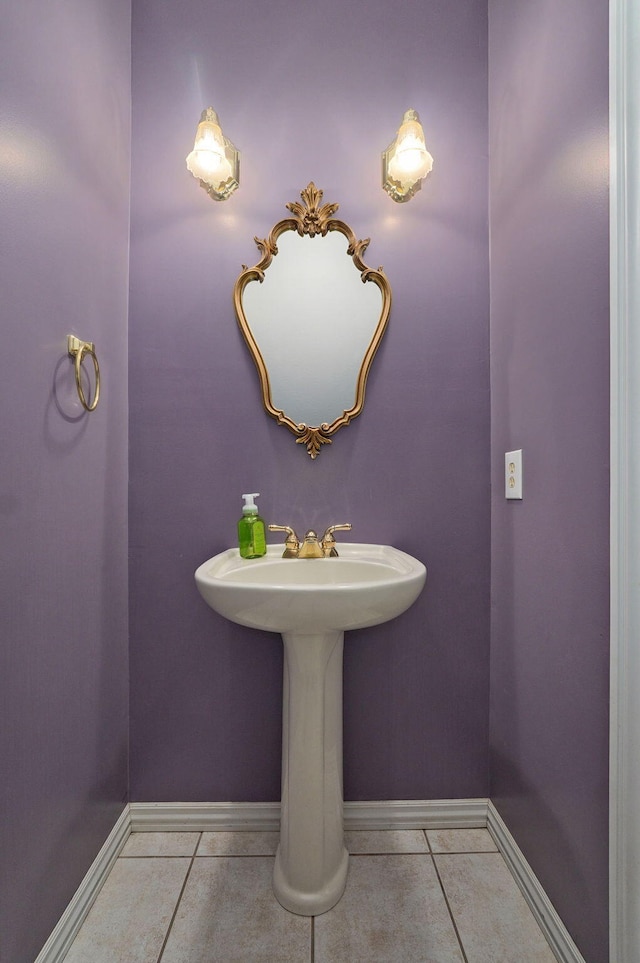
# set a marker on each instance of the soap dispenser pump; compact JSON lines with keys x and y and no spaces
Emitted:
{"x":252,"y":540}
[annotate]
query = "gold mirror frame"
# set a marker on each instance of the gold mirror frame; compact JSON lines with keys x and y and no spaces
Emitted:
{"x":312,"y":218}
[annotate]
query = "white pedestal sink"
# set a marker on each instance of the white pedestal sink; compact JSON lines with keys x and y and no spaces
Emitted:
{"x":311,"y":602}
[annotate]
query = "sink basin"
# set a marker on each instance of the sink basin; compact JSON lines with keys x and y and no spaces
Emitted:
{"x":366,"y":585}
{"x":312,"y":602}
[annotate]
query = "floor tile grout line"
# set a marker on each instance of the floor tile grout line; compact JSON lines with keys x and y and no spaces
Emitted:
{"x":392,"y":852}
{"x":453,"y":919}
{"x":467,"y":852}
{"x":178,"y":901}
{"x":159,"y":856}
{"x":235,"y":856}
{"x":426,"y":836}
{"x":313,"y":939}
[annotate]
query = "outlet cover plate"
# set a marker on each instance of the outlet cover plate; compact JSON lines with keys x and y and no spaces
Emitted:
{"x":513,"y":474}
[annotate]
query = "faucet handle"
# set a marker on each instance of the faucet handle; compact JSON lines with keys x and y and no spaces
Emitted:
{"x":328,"y":541}
{"x":292,"y":542}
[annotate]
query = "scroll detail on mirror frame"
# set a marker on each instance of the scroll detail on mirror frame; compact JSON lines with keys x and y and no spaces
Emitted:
{"x":312,"y":218}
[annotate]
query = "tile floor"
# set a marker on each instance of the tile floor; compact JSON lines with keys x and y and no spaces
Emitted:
{"x":411,"y":897}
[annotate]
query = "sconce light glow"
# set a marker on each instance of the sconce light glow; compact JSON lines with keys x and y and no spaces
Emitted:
{"x":406,"y":161}
{"x":214,"y":161}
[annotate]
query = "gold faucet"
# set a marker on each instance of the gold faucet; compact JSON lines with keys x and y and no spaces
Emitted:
{"x":311,"y":546}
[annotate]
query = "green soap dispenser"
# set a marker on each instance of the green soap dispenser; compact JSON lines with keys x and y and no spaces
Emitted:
{"x":251,"y":533}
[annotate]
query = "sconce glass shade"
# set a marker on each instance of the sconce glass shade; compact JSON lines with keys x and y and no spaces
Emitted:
{"x":406,"y":161}
{"x":214,"y":161}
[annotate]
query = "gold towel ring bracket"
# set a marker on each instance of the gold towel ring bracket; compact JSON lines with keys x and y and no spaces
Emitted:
{"x":78,"y":349}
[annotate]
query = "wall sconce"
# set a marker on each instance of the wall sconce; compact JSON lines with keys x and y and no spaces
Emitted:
{"x":214,"y":161}
{"x":406,"y":161}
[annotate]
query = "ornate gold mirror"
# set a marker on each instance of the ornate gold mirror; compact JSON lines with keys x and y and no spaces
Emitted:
{"x":314,"y":321}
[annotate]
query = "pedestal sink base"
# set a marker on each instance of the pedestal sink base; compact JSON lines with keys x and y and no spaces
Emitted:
{"x":311,"y":862}
{"x":310,"y":904}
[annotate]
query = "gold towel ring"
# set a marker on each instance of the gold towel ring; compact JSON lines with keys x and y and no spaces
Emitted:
{"x":78,"y":349}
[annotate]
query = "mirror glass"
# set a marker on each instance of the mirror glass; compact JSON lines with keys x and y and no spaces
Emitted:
{"x":313,"y":320}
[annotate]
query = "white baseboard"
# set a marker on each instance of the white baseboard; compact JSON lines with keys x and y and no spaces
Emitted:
{"x":416,"y":814}
{"x":540,"y":905}
{"x":171,"y":817}
{"x":57,"y":946}
{"x":227,"y":817}
{"x":394,"y":814}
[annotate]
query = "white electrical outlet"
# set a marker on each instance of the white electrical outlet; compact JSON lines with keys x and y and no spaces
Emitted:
{"x":513,"y":474}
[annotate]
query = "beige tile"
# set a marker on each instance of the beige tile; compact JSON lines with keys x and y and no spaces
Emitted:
{"x":393,"y":911}
{"x":238,"y":844}
{"x":160,"y":844}
{"x":130,"y":918}
{"x":386,"y":841}
{"x":493,"y":919}
{"x":461,"y":841}
{"x":228,"y":913}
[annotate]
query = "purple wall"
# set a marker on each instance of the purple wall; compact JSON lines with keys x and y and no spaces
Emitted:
{"x":309,"y":92}
{"x":64,"y":177}
{"x":549,"y":389}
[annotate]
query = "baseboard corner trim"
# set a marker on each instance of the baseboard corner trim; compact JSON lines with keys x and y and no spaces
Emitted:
{"x":66,"y":929}
{"x":555,"y":931}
